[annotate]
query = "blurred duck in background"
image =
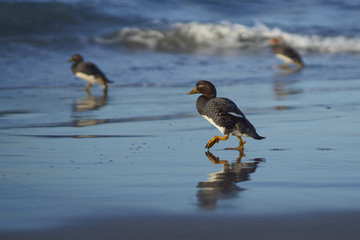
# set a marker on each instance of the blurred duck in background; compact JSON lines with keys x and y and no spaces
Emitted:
{"x":88,"y":72}
{"x":285,"y":53}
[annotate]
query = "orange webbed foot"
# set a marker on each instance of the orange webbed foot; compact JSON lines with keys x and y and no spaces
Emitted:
{"x":214,"y":140}
{"x":241,"y":145}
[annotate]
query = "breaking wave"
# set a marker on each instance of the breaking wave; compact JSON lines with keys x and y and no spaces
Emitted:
{"x":195,"y":36}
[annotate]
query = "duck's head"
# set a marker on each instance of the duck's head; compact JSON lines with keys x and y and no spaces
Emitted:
{"x":204,"y":87}
{"x":76,"y":58}
{"x":276,"y":41}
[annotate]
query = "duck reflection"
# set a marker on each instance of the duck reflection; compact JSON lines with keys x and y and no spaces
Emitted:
{"x":222,"y":184}
{"x":89,"y":103}
{"x":283,"y":89}
{"x":287,"y":71}
{"x":284,"y":83}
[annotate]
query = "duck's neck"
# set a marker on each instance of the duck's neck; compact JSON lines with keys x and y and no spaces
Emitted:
{"x":201,"y":103}
{"x":73,"y":66}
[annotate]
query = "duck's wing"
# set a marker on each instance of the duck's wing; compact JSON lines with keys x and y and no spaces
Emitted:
{"x":228,"y":107}
{"x":288,"y":52}
{"x":224,"y":112}
{"x":91,"y":69}
{"x":228,"y":115}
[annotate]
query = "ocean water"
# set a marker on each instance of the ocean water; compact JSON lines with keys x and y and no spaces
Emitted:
{"x":66,"y":155}
{"x":174,"y":42}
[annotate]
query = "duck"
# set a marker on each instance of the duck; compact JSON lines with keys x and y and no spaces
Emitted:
{"x":224,"y":114}
{"x":88,"y":71}
{"x":285,"y":53}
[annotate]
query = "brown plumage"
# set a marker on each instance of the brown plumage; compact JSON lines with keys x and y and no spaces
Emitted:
{"x":223,"y":114}
{"x":286,"y":53}
{"x":88,"y":72}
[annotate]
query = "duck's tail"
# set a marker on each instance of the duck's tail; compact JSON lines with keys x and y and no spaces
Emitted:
{"x":258,"y":137}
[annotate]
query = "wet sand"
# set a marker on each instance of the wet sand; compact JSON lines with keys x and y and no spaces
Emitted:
{"x":325,"y":226}
{"x":133,"y":165}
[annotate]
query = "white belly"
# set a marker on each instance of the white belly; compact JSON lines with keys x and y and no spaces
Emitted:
{"x":284,"y":58}
{"x":221,"y":129}
{"x":88,"y":78}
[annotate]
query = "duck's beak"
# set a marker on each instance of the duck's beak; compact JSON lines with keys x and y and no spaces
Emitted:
{"x":70,"y":60}
{"x":194,"y":91}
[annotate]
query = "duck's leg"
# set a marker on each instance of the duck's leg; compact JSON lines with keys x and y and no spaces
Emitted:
{"x":241,"y":145}
{"x":284,"y":66}
{"x":104,"y":88}
{"x":241,"y":142}
{"x":214,"y":140}
{"x":103,"y":83}
{"x":87,"y":88}
{"x":300,"y":65}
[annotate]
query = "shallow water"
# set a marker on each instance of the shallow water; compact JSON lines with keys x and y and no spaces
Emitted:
{"x":139,"y":151}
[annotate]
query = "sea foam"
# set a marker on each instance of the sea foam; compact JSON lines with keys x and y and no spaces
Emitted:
{"x":194,"y":36}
